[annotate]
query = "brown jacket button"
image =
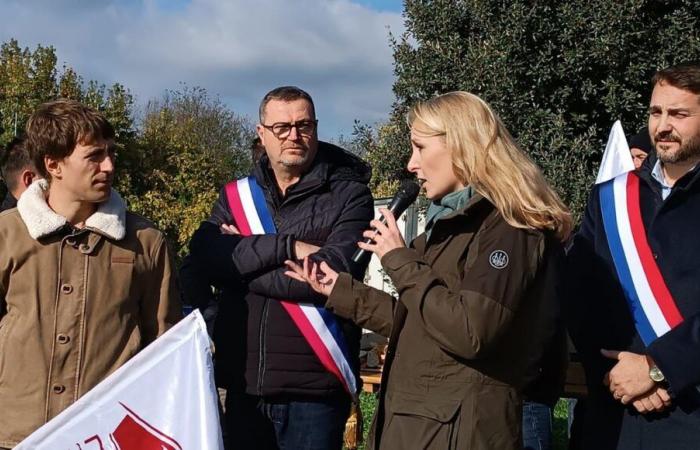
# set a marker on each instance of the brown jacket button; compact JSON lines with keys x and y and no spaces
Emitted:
{"x":66,"y":288}
{"x":63,"y":339}
{"x":84,"y":248}
{"x":58,"y":388}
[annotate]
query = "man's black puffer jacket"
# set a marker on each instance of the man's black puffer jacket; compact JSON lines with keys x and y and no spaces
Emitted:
{"x":259,"y":350}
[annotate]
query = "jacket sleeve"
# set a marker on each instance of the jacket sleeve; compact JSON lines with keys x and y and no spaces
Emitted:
{"x":675,"y":353}
{"x":160,"y":305}
{"x":195,"y":287}
{"x":337,"y":251}
{"x":588,"y":290}
{"x":364,"y":305}
{"x":226,"y":256}
{"x":468,"y":322}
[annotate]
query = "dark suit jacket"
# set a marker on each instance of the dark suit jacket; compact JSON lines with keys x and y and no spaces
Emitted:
{"x":599,"y":317}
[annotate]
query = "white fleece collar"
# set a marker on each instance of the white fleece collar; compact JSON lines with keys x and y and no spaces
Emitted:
{"x":41,"y":220}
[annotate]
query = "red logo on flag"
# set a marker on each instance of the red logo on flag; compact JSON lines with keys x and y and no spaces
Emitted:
{"x":134,"y":433}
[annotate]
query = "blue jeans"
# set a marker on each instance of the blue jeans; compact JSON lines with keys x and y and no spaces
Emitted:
{"x":537,"y":426}
{"x":254,"y":423}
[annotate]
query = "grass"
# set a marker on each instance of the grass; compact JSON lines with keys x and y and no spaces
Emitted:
{"x":560,"y":426}
{"x":368,"y":404}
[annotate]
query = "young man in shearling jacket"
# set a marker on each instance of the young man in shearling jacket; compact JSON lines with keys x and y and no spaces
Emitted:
{"x":84,"y":284}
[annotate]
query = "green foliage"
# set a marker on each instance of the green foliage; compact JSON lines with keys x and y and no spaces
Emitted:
{"x":385,"y":147}
{"x":560,"y":425}
{"x":27,"y":79}
{"x":559,"y":73}
{"x":170,"y":165}
{"x":368,"y":405}
{"x":190,"y":144}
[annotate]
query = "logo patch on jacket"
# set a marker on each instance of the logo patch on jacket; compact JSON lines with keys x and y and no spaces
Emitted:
{"x":498,"y":259}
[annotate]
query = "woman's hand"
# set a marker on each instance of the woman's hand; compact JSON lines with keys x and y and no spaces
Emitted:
{"x":386,"y":237}
{"x":321,"y":279}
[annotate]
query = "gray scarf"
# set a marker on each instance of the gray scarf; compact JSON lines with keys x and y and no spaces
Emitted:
{"x":446,"y":205}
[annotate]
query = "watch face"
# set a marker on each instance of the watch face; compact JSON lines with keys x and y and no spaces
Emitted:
{"x":656,"y":375}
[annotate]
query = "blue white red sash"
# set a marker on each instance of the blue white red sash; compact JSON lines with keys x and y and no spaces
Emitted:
{"x":318,"y":326}
{"x":652,"y":306}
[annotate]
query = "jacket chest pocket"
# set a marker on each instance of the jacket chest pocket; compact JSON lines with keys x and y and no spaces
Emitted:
{"x":451,"y":257}
{"x":121,"y":278}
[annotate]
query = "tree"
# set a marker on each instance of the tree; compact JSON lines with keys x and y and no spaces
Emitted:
{"x":170,"y":166}
{"x":190,"y":145}
{"x":558,"y":73}
{"x":27,"y":79}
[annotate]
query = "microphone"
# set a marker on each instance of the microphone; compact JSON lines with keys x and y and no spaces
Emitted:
{"x":407,"y":194}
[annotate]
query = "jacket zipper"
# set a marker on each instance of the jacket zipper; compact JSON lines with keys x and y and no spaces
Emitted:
{"x":277,"y":204}
{"x":261,"y":355}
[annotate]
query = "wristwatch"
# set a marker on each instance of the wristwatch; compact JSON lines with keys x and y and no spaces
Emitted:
{"x":656,"y":375}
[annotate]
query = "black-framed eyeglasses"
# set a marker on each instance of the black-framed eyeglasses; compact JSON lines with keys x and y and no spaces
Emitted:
{"x":281,"y":130}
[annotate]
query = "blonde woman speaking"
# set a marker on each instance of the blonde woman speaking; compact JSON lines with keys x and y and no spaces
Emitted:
{"x":476,"y":291}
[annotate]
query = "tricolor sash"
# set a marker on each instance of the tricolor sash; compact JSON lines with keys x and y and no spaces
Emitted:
{"x":653,"y":308}
{"x":318,"y":326}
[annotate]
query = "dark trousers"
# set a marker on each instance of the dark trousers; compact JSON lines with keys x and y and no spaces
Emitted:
{"x":611,"y":426}
{"x":537,"y":426}
{"x":254,"y":423}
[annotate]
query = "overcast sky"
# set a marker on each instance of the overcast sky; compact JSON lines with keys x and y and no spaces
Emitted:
{"x":338,"y":50}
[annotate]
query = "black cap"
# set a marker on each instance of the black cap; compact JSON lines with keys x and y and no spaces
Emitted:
{"x":642,"y":141}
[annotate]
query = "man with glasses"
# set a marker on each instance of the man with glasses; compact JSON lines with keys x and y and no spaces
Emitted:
{"x":304,"y":198}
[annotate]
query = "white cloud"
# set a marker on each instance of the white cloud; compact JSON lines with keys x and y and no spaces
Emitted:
{"x":239,"y":49}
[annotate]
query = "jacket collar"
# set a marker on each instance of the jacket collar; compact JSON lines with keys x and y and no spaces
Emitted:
{"x":686,"y":182}
{"x":330,"y":163}
{"x":41,"y":220}
{"x":476,"y":201}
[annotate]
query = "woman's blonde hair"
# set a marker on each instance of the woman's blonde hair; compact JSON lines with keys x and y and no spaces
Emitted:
{"x":485,"y":156}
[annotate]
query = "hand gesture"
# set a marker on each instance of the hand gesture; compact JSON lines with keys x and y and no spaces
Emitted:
{"x":321,"y":279}
{"x":386,"y":237}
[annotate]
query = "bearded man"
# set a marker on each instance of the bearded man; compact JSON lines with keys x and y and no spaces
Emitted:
{"x":634,"y":294}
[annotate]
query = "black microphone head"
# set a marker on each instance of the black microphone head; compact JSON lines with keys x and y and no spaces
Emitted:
{"x":407,"y":194}
{"x":409,"y":190}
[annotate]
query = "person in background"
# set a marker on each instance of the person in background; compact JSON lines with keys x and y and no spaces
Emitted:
{"x":18,"y":171}
{"x":476,"y":292}
{"x":640,"y":147}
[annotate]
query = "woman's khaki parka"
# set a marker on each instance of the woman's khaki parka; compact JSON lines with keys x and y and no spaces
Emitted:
{"x":476,"y":306}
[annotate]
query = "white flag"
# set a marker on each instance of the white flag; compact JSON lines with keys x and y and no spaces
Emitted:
{"x":616,"y":158}
{"x":164,"y":398}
